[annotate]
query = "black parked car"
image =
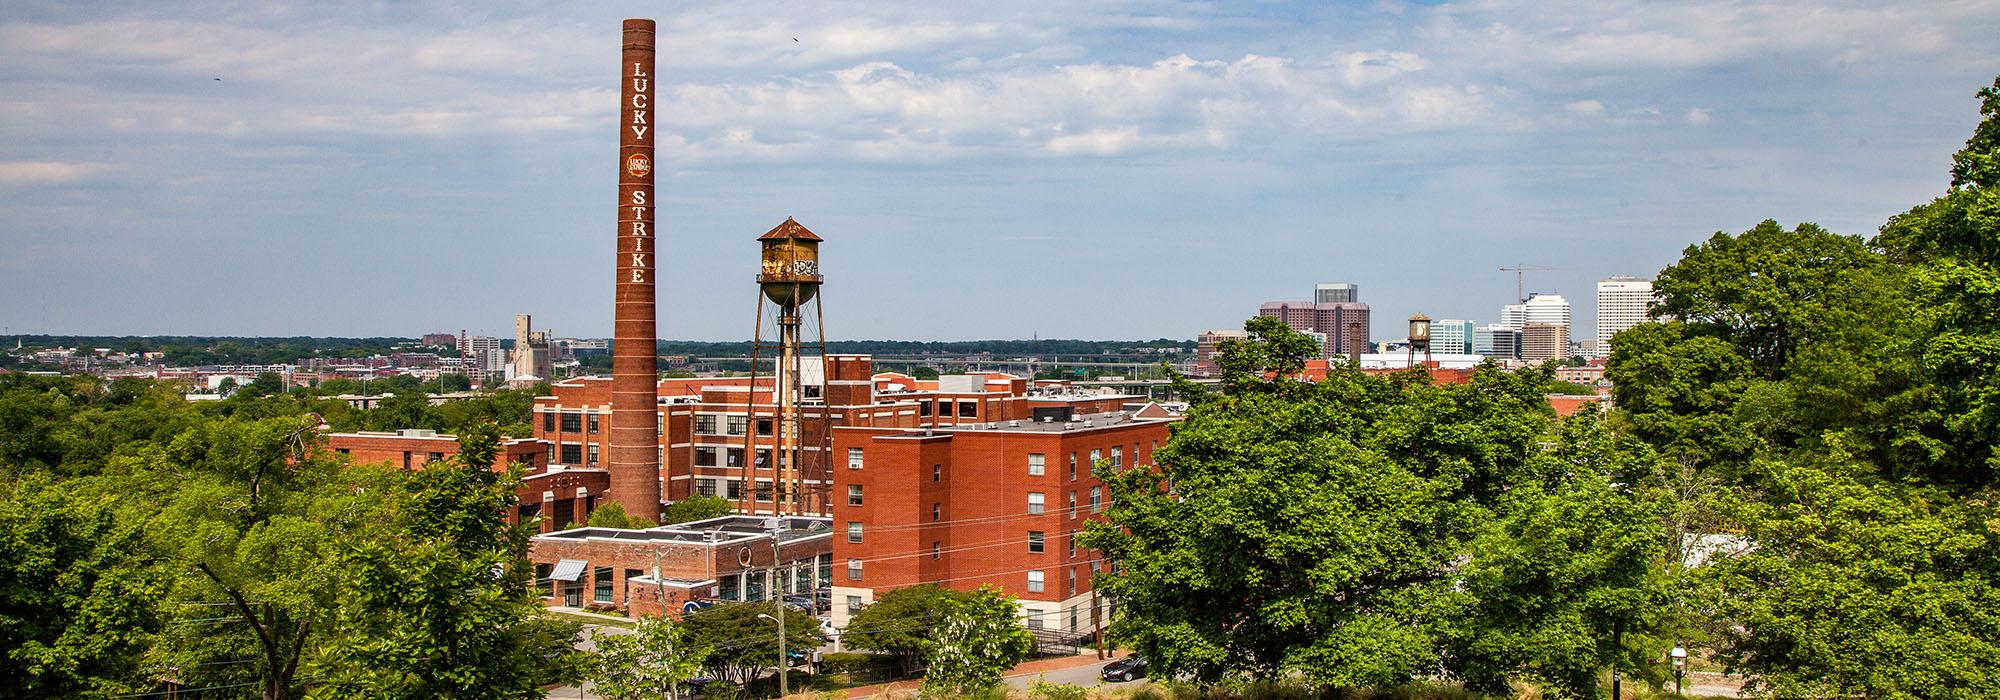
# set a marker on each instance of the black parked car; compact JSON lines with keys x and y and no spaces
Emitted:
{"x":1124,"y":669}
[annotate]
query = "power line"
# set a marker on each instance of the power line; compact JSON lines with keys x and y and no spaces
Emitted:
{"x":186,"y":690}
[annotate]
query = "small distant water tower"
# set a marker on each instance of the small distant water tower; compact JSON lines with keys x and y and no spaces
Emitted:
{"x":791,"y":448}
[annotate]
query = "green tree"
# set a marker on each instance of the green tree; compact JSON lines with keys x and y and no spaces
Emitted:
{"x":1314,"y":528}
{"x":77,"y":594}
{"x":1572,"y":578}
{"x":613,"y":515}
{"x":979,"y":639}
{"x":255,"y":523}
{"x":1952,"y":246}
{"x":902,"y":622}
{"x":1679,"y":391}
{"x":265,"y":384}
{"x":440,"y":604}
{"x":1863,"y":588}
{"x":742,"y":644}
{"x":1755,"y":289}
{"x":402,"y":410}
{"x":649,"y":664}
{"x":696,"y":507}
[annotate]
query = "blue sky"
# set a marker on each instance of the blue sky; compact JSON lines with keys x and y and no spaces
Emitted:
{"x":979,"y":170}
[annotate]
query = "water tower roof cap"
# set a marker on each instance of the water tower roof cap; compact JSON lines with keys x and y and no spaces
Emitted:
{"x":790,"y":229}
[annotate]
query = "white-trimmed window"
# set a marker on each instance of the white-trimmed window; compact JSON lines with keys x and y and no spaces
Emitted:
{"x":1036,"y":463}
{"x":853,"y":494}
{"x":1036,"y":501}
{"x":853,"y":458}
{"x":1035,"y":581}
{"x":854,"y":569}
{"x":1096,"y":499}
{"x":853,"y":604}
{"x":1035,"y":621}
{"x":1117,"y":458}
{"x":853,"y":531}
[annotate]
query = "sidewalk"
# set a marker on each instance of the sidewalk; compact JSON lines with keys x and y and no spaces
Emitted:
{"x":1030,"y":668}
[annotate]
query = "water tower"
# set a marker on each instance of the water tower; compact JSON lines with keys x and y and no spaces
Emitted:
{"x":791,"y":447}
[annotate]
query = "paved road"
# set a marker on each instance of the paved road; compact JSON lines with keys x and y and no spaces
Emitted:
{"x":589,"y":643}
{"x":1083,"y":676}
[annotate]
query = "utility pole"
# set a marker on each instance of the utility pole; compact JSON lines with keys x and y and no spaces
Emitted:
{"x":1096,"y":622}
{"x":784,"y":662}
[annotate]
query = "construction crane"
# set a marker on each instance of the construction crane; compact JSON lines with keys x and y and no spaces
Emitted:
{"x":1518,"y":269}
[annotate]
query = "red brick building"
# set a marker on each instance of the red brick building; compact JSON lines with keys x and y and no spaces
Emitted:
{"x":557,"y":494}
{"x":706,"y":424}
{"x":997,"y":501}
{"x":658,"y":570}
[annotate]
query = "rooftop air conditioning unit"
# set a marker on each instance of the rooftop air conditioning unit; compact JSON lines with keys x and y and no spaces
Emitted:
{"x":1013,"y":424}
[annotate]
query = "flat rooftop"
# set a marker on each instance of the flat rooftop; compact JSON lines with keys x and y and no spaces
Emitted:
{"x":1079,"y":423}
{"x":728,"y":529}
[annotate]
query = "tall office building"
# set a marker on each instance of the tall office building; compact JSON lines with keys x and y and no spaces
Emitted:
{"x":1541,"y":307}
{"x":483,"y":355}
{"x":1452,"y":336}
{"x":1205,"y":349}
{"x":1541,"y":342}
{"x":1622,"y":302}
{"x":1342,"y":326}
{"x":1335,"y":313}
{"x":1336,"y":293}
{"x":1497,"y":340}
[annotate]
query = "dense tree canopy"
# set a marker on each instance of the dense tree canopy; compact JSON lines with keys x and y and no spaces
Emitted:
{"x":1836,"y":403}
{"x":1324,"y":529}
{"x":216,"y":545}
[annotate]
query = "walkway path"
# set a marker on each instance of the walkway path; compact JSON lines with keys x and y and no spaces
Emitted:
{"x":1019,"y":675}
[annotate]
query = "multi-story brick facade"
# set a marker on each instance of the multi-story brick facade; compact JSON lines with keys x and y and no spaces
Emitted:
{"x":556,"y":494}
{"x":706,"y":424}
{"x":1343,"y":325}
{"x":994,"y":502}
{"x":657,"y":570}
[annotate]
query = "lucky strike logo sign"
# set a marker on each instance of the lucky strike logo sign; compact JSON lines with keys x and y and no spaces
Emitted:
{"x":638,"y":165}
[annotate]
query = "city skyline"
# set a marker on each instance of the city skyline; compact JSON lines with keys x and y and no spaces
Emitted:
{"x":398,"y":171}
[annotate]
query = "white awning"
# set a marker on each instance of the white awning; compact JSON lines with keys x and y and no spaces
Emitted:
{"x":568,"y":570}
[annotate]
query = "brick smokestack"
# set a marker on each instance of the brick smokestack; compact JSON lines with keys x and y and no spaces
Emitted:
{"x":635,"y":457}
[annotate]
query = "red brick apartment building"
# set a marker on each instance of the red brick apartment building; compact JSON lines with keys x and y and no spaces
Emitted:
{"x":985,"y":502}
{"x":658,"y":570}
{"x":559,"y":495}
{"x":963,"y":480}
{"x":704,"y":422}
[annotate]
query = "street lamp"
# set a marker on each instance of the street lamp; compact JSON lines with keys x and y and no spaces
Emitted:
{"x":784,"y":664}
{"x":1680,"y":658}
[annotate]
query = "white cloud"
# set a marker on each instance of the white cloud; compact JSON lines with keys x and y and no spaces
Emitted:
{"x":46,"y":173}
{"x":1623,"y":35}
{"x":1090,"y":108}
{"x":1588,"y":108}
{"x":1698,"y":116}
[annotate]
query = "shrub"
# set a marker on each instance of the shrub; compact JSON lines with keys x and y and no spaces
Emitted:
{"x":1044,"y":690}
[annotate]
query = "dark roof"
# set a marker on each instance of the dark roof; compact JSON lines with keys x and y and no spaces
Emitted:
{"x":790,"y":229}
